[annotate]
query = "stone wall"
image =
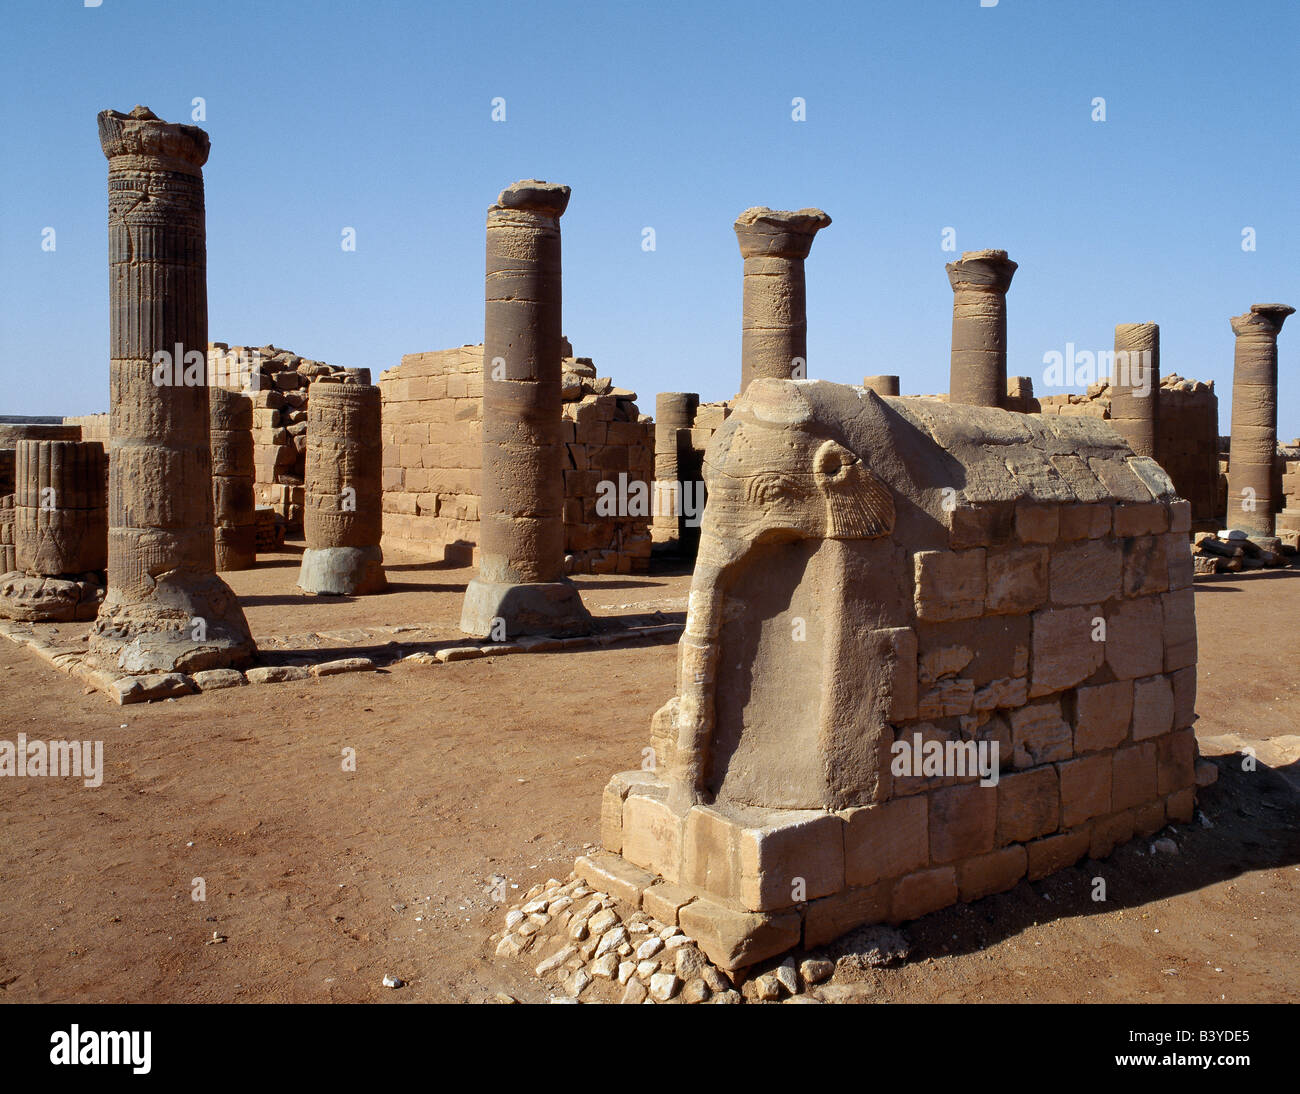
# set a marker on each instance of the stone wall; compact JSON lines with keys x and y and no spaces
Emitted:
{"x":276,"y":380}
{"x":979,"y":577}
{"x":432,"y":428}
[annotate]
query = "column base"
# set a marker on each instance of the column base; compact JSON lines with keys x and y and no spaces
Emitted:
{"x":186,"y":627}
{"x":551,"y":608}
{"x":342,"y":571}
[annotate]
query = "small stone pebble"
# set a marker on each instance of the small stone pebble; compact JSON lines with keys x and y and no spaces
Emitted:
{"x":696,"y":991}
{"x":814,"y":971}
{"x":767,"y":987}
{"x":391,"y":981}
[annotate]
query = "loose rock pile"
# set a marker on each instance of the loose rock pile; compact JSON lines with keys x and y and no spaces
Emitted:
{"x":1230,"y":552}
{"x":586,"y":947}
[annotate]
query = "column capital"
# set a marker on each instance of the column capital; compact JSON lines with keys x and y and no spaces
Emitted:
{"x":1262,"y":319}
{"x":547,"y":199}
{"x":143,"y":133}
{"x":778,"y":233}
{"x":988,"y":270}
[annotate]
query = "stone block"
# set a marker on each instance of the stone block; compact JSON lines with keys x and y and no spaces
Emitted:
{"x":1176,"y":762}
{"x":1085,"y":521}
{"x":1109,"y":832}
{"x":1016,"y":581}
{"x":1037,"y":523}
{"x":1184,"y":684}
{"x":1135,"y":638}
{"x":962,"y":822}
{"x":1029,"y":805}
{"x":826,"y":919}
{"x":613,"y":874}
{"x":1085,"y":788}
{"x":921,"y":893}
{"x":794,"y":856}
{"x":1180,"y":630}
{"x":1146,"y":566}
{"x":1133,"y":776}
{"x":1153,"y":707}
{"x":1102,"y":715}
{"x":652,"y":835}
{"x":995,"y":872}
{"x":1039,"y":734}
{"x":886,"y":840}
{"x":1087,"y":572}
{"x":711,"y":853}
{"x":949,"y":584}
{"x":1064,"y":650}
{"x":1149,"y":519}
{"x":734,"y":940}
{"x":1046,"y":856}
{"x":664,"y":901}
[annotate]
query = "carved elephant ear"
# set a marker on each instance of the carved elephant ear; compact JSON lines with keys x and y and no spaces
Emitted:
{"x":858,"y":505}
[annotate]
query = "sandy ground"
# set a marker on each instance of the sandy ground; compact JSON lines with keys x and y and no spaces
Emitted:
{"x":322,"y":881}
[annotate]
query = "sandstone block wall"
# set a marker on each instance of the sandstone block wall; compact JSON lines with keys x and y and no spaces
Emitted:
{"x":433,"y":437}
{"x":276,"y":380}
{"x":1045,"y":605}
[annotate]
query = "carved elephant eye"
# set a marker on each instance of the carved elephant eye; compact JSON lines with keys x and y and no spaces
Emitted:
{"x":770,"y":487}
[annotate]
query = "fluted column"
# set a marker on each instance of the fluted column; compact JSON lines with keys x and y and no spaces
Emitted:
{"x":521,"y":587}
{"x":165,"y":609}
{"x":774,"y":332}
{"x":1135,"y":386}
{"x":979,"y":280}
{"x":60,"y":507}
{"x":1251,"y":504}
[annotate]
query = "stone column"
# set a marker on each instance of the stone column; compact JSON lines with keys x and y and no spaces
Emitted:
{"x":165,"y":610}
{"x":979,"y":327}
{"x":60,"y":507}
{"x":674,"y":412}
{"x":1135,"y":386}
{"x":1254,"y":420}
{"x":881,"y":385}
{"x":521,"y":588}
{"x":774,"y":333}
{"x":343,"y":511}
{"x":233,"y":501}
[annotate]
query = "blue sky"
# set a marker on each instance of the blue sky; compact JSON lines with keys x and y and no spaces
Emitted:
{"x":676,"y":116}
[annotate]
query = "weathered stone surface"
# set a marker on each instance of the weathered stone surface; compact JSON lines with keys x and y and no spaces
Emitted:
{"x":1029,"y":806}
{"x":1102,"y":716}
{"x":995,"y":872}
{"x":886,"y":840}
{"x":963,"y":822}
{"x":142,"y":689}
{"x":774,"y":245}
{"x":734,"y":940}
{"x":216,"y":679}
{"x":276,"y":674}
{"x":521,"y":587}
{"x":1252,"y":505}
{"x":165,"y":610}
{"x":979,"y":280}
{"x":234,"y":500}
{"x":1065,"y":652}
{"x":919,"y":894}
{"x":1085,"y":788}
{"x":60,"y":507}
{"x":342,"y":518}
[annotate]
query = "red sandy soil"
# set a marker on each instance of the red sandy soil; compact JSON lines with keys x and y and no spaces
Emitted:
{"x":495,"y":766}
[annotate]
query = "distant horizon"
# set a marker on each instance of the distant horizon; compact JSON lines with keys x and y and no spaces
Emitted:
{"x":1127,"y":192}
